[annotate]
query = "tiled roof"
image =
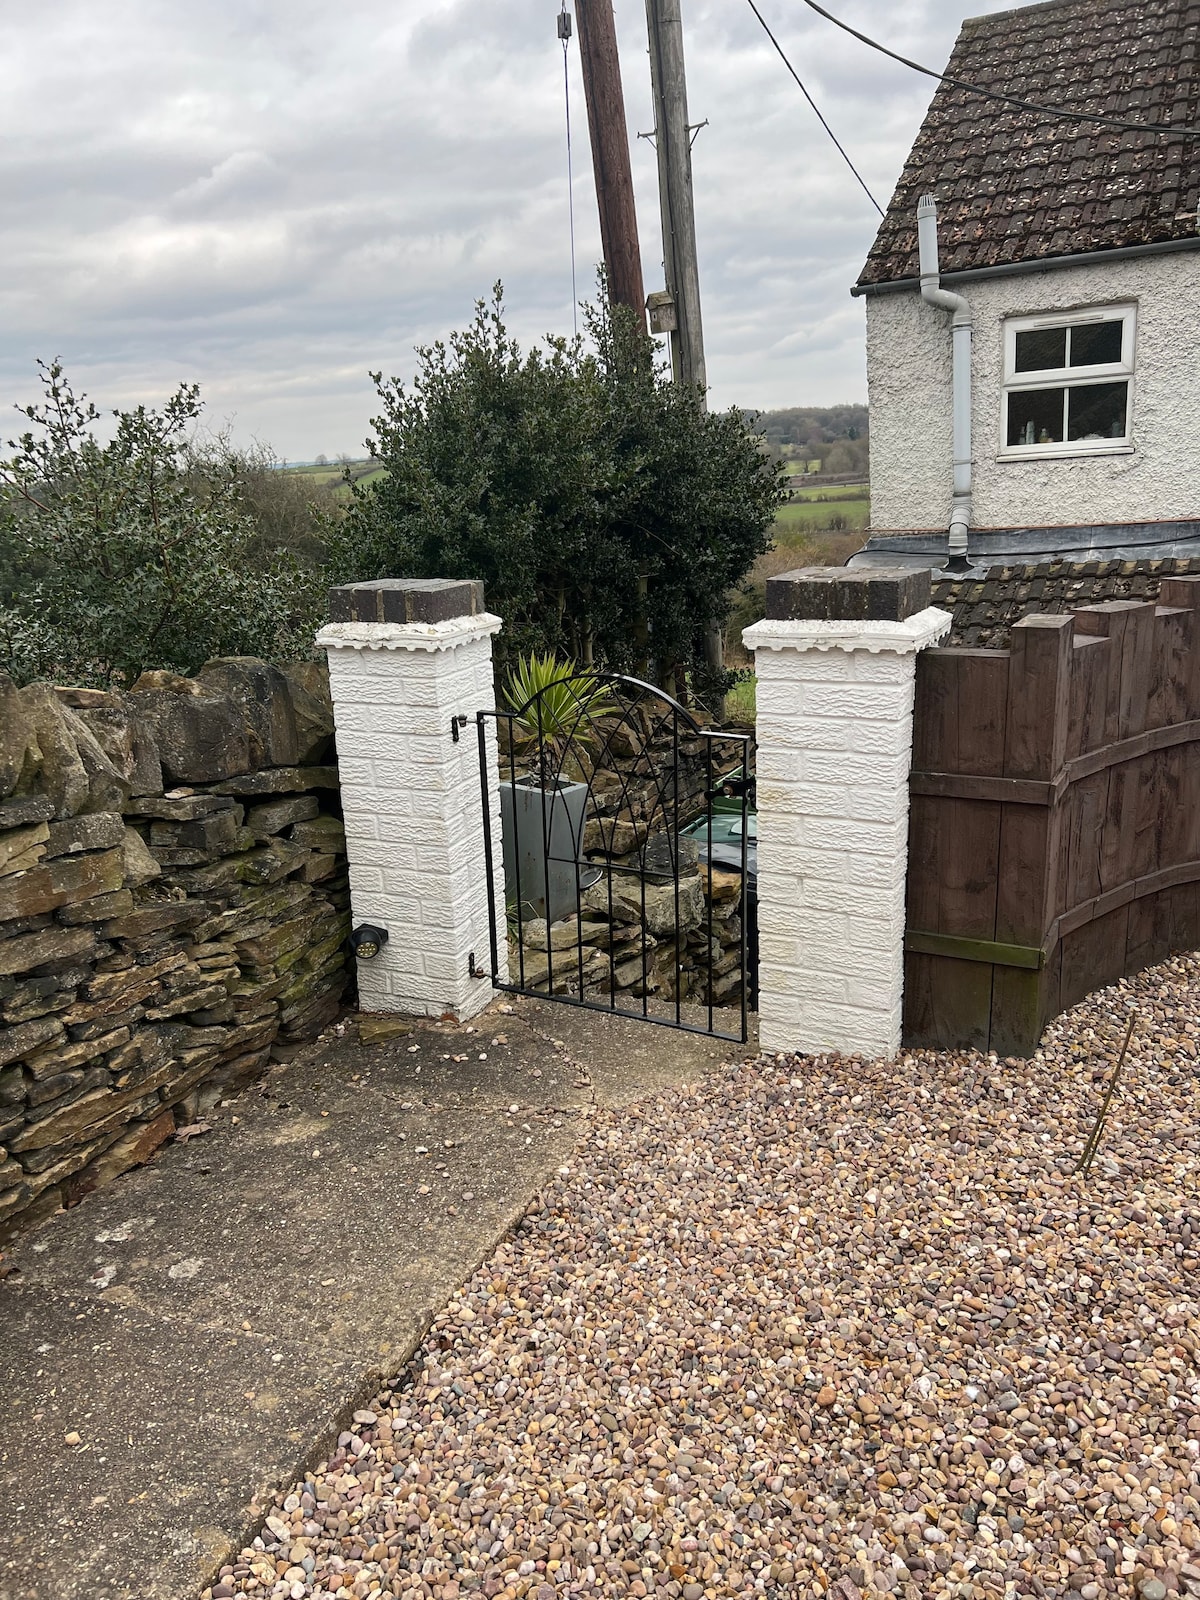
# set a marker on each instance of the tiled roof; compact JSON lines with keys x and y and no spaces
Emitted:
{"x":984,"y":609}
{"x":1016,"y":185}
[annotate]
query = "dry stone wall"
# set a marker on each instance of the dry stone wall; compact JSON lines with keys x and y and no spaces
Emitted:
{"x":174,"y":905}
{"x":642,"y":939}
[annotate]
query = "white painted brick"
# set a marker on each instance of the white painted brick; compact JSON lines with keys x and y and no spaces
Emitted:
{"x":413,"y":812}
{"x":869,"y":837}
{"x":863,"y":735}
{"x":824,"y":1026}
{"x":857,"y":900}
{"x":834,"y":751}
{"x":850,"y":701}
{"x":867,"y":768}
{"x":355,"y":771}
{"x":820,"y":986}
{"x":882,"y":667}
{"x":809,"y":666}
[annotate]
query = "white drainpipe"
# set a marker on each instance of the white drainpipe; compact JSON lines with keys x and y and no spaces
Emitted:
{"x":960,"y":331}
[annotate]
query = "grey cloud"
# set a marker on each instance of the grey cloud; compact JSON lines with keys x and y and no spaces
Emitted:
{"x":275,"y":197}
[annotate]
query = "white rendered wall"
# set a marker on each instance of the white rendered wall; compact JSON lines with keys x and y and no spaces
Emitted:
{"x":413,"y":805}
{"x":834,"y":747}
{"x":908,"y":379}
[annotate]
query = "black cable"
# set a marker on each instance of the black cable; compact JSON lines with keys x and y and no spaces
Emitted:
{"x":813,"y":104}
{"x":1169,"y":129}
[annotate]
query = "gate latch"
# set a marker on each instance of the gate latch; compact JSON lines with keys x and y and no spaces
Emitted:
{"x":729,"y":787}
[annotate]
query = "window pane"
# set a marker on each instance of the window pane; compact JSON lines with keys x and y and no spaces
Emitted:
{"x":1097,"y":411}
{"x":1096,"y":344}
{"x":1041,"y":348}
{"x":1035,"y":416}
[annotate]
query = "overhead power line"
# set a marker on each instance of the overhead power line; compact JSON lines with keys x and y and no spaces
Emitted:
{"x":1170,"y":130}
{"x":816,"y":109}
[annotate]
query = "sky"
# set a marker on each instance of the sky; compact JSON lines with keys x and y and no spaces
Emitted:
{"x":274,"y":198}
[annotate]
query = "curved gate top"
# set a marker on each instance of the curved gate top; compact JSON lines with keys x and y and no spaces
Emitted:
{"x":629,"y":873}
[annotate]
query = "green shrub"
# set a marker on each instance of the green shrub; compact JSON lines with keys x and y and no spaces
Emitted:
{"x":608,"y":514}
{"x":123,"y":549}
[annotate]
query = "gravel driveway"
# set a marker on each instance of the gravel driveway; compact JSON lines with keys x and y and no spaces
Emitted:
{"x":821,"y":1326}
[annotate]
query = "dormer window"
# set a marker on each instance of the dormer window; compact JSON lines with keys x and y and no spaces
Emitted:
{"x":1068,"y":382}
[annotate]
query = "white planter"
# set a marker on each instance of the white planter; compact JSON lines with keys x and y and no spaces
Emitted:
{"x":543,"y":832}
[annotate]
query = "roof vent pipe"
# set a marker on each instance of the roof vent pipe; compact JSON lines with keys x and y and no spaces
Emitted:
{"x":960,"y":332}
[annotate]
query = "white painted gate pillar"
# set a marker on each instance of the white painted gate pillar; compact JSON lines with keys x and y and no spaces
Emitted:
{"x":407,"y":658}
{"x":835,"y":660}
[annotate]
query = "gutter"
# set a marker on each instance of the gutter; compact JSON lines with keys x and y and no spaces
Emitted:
{"x":961,"y":329}
{"x":1013,"y":269}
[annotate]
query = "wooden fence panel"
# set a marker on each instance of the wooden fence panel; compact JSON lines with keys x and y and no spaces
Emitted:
{"x":1055,"y":823}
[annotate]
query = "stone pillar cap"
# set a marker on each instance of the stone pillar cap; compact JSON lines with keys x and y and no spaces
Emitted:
{"x":401,"y":600}
{"x":848,"y":594}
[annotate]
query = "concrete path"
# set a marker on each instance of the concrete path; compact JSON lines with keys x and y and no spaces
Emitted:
{"x":198,"y":1333}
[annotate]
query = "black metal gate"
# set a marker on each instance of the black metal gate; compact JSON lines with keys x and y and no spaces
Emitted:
{"x":629,"y":855}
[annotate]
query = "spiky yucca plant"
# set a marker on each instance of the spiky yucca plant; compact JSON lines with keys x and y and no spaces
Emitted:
{"x":555,"y":705}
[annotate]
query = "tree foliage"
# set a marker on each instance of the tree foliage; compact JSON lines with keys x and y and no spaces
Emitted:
{"x":122,"y":548}
{"x":609,"y":515}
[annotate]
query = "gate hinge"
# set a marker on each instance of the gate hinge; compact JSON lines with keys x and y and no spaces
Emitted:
{"x":455,"y":724}
{"x":473,"y":970}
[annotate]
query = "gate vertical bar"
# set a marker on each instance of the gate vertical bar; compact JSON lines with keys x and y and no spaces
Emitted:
{"x":674,"y":856}
{"x":518,"y":897}
{"x":708,"y":816}
{"x":488,"y":851}
{"x":743,"y":940}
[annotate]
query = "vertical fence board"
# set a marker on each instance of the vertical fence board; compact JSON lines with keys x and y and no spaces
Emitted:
{"x":1094,"y":955}
{"x":958,"y":721}
{"x":1039,"y":690}
{"x":1137,"y":669}
{"x":1087,"y":803}
{"x":947,"y":1003}
{"x":1184,"y":593}
{"x":1039,"y":667}
{"x":1107,"y":620}
{"x":1169,"y":687}
{"x":961,"y":703}
{"x":1089,"y":679}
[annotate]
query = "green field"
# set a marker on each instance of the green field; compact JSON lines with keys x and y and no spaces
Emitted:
{"x":740,"y":708}
{"x":330,"y":476}
{"x":810,"y":509}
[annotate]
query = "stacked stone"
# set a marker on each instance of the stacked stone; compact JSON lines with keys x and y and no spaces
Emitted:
{"x":635,"y":938}
{"x":174,"y":904}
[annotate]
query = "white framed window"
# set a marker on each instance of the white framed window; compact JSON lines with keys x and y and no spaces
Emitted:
{"x":1068,"y":382}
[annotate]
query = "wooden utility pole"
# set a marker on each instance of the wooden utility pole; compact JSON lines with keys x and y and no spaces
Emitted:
{"x":610,"y":153}
{"x":673,"y":141}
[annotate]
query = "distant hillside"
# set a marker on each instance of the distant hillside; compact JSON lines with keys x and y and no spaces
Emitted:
{"x":834,"y":436}
{"x":813,"y":424}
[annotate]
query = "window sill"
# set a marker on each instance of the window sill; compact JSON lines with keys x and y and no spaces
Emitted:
{"x":1045,"y":452}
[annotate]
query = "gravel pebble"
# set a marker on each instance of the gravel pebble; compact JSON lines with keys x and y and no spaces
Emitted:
{"x":822,"y":1326}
